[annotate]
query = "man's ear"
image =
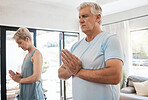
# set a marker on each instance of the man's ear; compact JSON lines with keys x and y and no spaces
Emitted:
{"x":98,"y":18}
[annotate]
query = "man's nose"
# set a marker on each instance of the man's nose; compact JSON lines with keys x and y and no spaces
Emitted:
{"x":81,"y":20}
{"x":19,"y":45}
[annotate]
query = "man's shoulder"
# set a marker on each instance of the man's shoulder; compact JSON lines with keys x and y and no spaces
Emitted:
{"x":108,"y":34}
{"x":78,"y":42}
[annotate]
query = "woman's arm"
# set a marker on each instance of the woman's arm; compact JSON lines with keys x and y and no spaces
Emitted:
{"x":37,"y":61}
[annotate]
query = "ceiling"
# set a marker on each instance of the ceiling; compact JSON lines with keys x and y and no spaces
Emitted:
{"x":108,"y":6}
{"x":74,"y":3}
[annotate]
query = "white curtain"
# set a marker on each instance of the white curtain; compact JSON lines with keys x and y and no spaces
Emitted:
{"x":122,"y":29}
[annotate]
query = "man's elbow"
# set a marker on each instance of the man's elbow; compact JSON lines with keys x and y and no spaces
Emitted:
{"x":62,"y":77}
{"x":117,"y":79}
{"x":59,"y":74}
{"x":116,"y":82}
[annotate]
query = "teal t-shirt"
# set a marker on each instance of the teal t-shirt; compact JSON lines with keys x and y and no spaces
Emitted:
{"x":93,"y":55}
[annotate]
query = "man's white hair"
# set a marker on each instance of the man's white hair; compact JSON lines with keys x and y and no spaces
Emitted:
{"x":94,"y":8}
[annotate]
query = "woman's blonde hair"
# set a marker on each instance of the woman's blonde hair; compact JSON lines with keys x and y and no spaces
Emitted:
{"x":22,"y":33}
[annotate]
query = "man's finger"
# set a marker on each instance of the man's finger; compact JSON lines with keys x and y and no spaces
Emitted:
{"x":65,"y":61}
{"x":67,"y":53}
{"x":65,"y":56}
{"x":77,"y":60}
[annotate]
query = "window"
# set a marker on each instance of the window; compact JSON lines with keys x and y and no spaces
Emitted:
{"x":49,"y":42}
{"x":48,"y":45}
{"x":70,"y":39}
{"x":140,"y":52}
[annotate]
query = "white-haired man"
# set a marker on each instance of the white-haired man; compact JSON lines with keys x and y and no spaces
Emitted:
{"x":95,"y":62}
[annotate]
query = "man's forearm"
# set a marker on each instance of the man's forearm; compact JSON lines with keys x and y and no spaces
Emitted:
{"x":111,"y":74}
{"x":103,"y":76}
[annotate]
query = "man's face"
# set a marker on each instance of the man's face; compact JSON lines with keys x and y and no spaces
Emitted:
{"x":87,"y":20}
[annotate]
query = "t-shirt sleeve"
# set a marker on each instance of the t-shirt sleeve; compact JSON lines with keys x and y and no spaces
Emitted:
{"x":113,"y":49}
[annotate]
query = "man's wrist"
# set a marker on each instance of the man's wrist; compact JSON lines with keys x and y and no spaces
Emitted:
{"x":76,"y":74}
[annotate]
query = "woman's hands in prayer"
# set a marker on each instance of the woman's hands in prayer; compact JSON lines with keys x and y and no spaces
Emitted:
{"x":71,"y":62}
{"x":15,"y":76}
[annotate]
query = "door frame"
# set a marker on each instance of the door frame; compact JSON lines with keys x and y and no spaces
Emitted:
{"x":3,"y":56}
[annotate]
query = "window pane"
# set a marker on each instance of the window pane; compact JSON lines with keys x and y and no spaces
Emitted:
{"x":140,"y":52}
{"x":48,"y":45}
{"x":70,"y":39}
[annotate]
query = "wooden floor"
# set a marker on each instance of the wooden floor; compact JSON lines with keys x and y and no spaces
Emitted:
{"x":11,"y":98}
{"x":11,"y":94}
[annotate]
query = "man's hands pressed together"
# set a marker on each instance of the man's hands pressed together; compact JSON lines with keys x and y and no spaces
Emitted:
{"x":71,"y":62}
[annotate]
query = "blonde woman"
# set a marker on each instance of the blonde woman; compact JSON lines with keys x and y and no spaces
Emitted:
{"x":30,"y":76}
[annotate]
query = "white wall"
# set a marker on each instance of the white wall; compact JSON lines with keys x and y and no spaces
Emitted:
{"x":38,"y":15}
{"x":136,"y":12}
{"x":33,"y":14}
{"x":138,"y":23}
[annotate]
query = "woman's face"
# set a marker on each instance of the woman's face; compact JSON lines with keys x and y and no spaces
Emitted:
{"x":22,"y":43}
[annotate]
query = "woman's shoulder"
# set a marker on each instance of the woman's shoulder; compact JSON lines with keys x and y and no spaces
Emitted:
{"x":37,"y":53}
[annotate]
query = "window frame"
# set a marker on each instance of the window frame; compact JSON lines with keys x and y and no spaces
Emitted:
{"x":3,"y":30}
